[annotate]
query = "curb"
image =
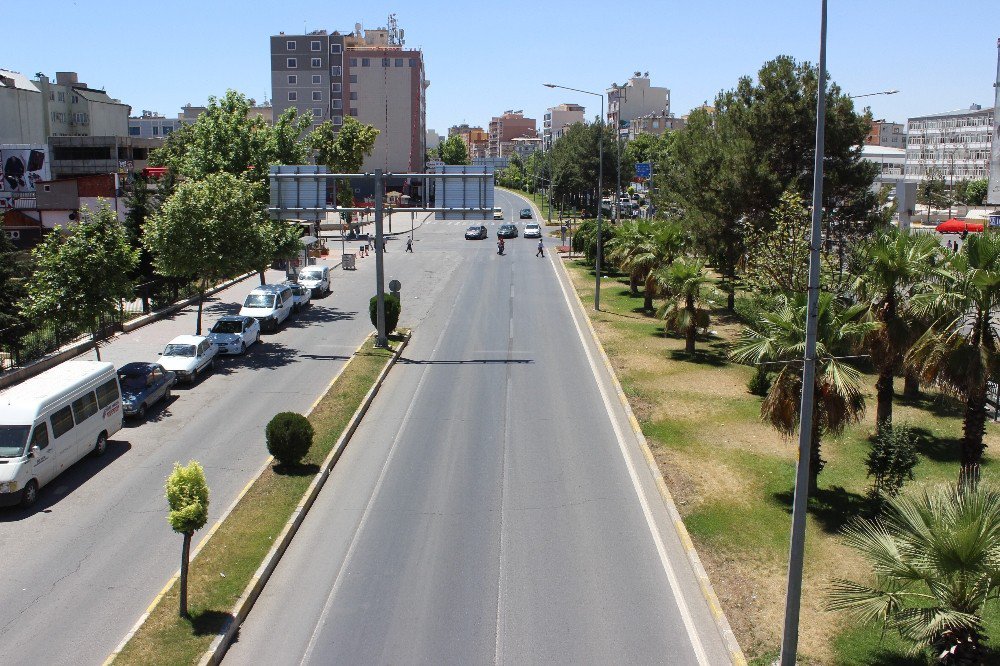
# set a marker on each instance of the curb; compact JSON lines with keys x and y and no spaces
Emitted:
{"x":708,"y":592}
{"x":221,"y":643}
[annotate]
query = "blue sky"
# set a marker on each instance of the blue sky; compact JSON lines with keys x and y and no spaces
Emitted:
{"x":483,"y":58}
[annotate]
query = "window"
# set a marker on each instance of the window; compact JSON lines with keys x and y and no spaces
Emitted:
{"x":354,"y":112}
{"x":84,"y":407}
{"x":292,"y":63}
{"x":156,"y":130}
{"x":354,"y":95}
{"x":335,"y":87}
{"x":385,"y":62}
{"x":336,"y":70}
{"x":293,"y":79}
{"x":317,"y":112}
{"x":290,"y":45}
{"x":315,"y":46}
{"x":354,"y":62}
{"x":316,"y":62}
{"x":317,"y":96}
{"x":354,"y":78}
{"x":292,"y":96}
{"x":40,"y":437}
{"x":61,"y":96}
{"x":398,"y":63}
{"x":365,"y":62}
{"x":62,"y":422}
{"x":336,"y":48}
{"x":413,"y":62}
{"x":52,"y":96}
{"x":76,"y":99}
{"x":336,"y":103}
{"x":317,"y":79}
{"x":133,"y":131}
{"x":337,"y":120}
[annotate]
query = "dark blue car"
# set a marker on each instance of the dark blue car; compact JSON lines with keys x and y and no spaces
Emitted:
{"x":142,"y":385}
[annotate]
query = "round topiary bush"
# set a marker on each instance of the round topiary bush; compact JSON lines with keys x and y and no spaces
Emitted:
{"x":392,"y":309}
{"x":289,"y":436}
{"x":760,"y":383}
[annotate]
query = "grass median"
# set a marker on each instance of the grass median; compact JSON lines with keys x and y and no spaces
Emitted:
{"x":224,"y":567}
{"x":732,"y":476}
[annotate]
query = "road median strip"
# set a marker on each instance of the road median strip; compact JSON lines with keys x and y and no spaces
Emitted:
{"x":233,"y":563}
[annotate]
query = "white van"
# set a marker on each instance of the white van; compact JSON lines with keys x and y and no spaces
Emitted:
{"x":316,"y":278}
{"x":49,"y":422}
{"x":270,"y":304}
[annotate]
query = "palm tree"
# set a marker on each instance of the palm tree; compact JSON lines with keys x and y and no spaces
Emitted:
{"x":890,"y":264}
{"x":961,"y":349}
{"x":936,"y":564}
{"x":641,"y":247}
{"x":681,"y":283}
{"x":628,"y":241}
{"x":778,"y":336}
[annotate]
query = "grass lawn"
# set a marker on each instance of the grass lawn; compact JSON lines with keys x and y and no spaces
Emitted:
{"x":732,"y":475}
{"x":222,"y":570}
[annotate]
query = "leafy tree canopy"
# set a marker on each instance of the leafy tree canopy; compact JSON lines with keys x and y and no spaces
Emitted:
{"x":453,"y":151}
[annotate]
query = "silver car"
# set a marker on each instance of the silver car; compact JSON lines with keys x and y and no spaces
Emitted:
{"x":233,"y":333}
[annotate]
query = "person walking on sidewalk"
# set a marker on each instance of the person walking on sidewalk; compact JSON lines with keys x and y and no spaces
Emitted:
{"x":409,"y":244}
{"x":541,"y":249}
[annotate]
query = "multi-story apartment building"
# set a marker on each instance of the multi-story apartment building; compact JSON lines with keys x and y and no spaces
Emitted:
{"x":954,"y":145}
{"x":189,"y":113}
{"x":652,"y":123}
{"x":33,"y":111}
{"x":890,"y":135}
{"x":522,"y":146}
{"x":507,"y":127}
{"x":152,"y":125}
{"x":476,"y":139}
{"x":636,"y":98}
{"x":557,"y":119}
{"x":367,"y":74}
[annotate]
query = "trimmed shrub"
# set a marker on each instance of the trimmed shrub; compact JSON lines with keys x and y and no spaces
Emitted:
{"x":760,"y":383}
{"x":891,"y":460}
{"x":289,"y":436}
{"x":392,"y":310}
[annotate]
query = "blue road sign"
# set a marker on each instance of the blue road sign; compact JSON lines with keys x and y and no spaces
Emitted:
{"x":643,"y":169}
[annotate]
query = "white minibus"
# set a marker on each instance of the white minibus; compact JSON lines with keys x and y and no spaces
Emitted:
{"x":49,"y":422}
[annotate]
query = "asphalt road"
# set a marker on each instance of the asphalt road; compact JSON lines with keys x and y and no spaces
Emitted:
{"x":493,"y":507}
{"x":84,"y":563}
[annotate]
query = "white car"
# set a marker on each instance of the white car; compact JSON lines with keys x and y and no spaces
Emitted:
{"x":301,"y":296}
{"x":316,"y":278}
{"x":188,"y":355}
{"x":233,"y":333}
{"x":497,"y":214}
{"x":532,"y":230}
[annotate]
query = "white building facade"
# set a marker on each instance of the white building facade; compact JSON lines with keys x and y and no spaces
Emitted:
{"x":954,"y":145}
{"x":636,"y":98}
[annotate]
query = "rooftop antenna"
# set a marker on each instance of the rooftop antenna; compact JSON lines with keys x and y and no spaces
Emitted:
{"x":395,"y":34}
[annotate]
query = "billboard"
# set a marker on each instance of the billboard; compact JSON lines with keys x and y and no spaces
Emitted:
{"x":21,"y":166}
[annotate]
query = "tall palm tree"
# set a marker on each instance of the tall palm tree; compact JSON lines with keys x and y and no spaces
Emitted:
{"x":889,"y":266}
{"x":935,"y":561}
{"x":681,"y":282}
{"x":778,"y":336}
{"x":641,"y":247}
{"x":961,"y":349}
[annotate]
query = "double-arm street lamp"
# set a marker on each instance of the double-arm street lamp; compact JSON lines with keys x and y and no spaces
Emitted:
{"x":600,"y":190}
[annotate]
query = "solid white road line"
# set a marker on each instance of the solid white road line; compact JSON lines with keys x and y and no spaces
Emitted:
{"x":682,"y":607}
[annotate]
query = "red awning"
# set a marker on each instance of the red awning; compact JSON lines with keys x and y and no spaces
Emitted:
{"x":957,"y":226}
{"x":154,"y":172}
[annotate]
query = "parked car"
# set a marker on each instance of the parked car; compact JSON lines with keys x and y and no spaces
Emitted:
{"x":269,"y":304}
{"x":507,"y":231}
{"x":532,"y":230}
{"x":525,"y":213}
{"x":316,"y":278}
{"x":233,"y":333}
{"x":300,"y":295}
{"x":497,"y":214}
{"x":143,"y":385}
{"x":189,"y":355}
{"x":477,"y":232}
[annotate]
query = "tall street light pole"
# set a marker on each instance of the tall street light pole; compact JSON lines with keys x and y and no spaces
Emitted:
{"x":793,"y":594}
{"x":600,"y":190}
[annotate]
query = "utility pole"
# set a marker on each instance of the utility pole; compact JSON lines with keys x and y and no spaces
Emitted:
{"x":381,"y":340}
{"x":793,"y":595}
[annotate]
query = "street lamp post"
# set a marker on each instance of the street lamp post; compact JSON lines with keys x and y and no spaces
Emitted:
{"x":600,"y":189}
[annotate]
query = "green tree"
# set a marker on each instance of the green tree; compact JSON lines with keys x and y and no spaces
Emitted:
{"x":453,"y":150}
{"x":82,"y":274}
{"x":209,"y":230}
{"x":640,"y":247}
{"x":934,"y":571}
{"x":961,"y":349}
{"x":187,"y":497}
{"x":891,"y":461}
{"x":343,"y":151}
{"x":278,"y":240}
{"x":889,"y":266}
{"x":289,"y":437}
{"x":975,"y":191}
{"x":933,"y":191}
{"x":777,"y":336}
{"x":287,"y":138}
{"x":682,"y":283}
